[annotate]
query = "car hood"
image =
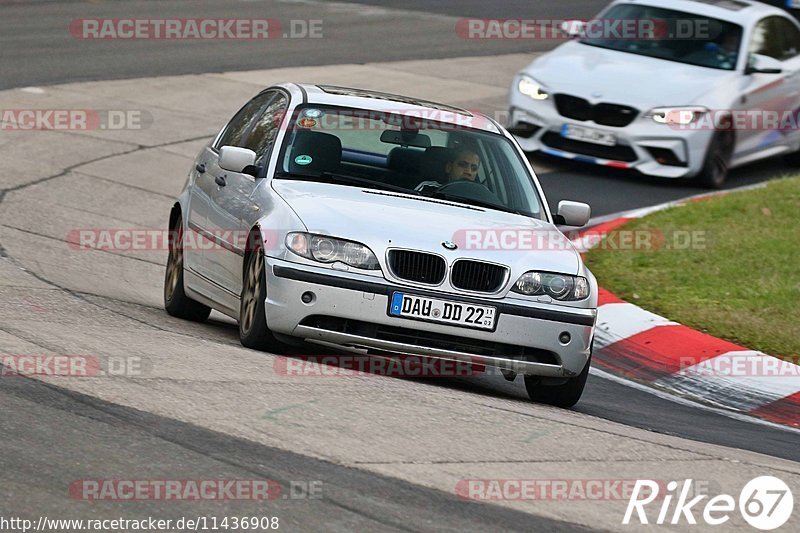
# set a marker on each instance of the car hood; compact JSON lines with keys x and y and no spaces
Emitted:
{"x":384,"y":219}
{"x":624,"y":78}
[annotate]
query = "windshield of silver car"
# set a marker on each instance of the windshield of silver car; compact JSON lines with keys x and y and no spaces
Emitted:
{"x":666,"y":34}
{"x":433,"y":153}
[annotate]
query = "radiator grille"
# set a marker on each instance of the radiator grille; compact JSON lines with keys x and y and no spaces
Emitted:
{"x":614,"y":115}
{"x":477,"y":276}
{"x":417,"y":266}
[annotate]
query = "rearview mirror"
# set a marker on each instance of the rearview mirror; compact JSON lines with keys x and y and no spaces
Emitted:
{"x":759,"y":64}
{"x":572,"y":213}
{"x":406,"y":138}
{"x":236,"y":159}
{"x":573,"y":28}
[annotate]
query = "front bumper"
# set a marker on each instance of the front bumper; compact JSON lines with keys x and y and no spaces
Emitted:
{"x":643,"y":145}
{"x":350,"y":311}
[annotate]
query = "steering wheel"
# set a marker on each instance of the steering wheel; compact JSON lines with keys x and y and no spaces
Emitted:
{"x":470,"y":189}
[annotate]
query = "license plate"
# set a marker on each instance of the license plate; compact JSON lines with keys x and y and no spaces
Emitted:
{"x":442,"y":311}
{"x":589,"y":135}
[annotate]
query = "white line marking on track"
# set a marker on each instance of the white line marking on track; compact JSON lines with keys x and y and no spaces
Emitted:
{"x":689,"y":403}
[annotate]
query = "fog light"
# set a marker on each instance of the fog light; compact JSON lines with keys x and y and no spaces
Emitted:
{"x":564,"y":338}
{"x":307,"y":297}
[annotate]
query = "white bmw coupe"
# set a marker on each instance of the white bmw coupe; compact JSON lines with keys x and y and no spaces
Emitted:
{"x":677,"y":89}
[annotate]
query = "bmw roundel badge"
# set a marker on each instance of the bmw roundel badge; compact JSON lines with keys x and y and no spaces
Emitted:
{"x":449,"y":245}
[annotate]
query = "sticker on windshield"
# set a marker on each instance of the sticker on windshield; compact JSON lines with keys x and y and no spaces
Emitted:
{"x":306,"y":122}
{"x":312,"y":113}
{"x":303,"y":160}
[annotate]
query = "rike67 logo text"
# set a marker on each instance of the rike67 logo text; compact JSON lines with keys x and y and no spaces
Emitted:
{"x":766,"y":503}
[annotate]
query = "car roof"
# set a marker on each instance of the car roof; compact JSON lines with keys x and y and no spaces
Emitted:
{"x":387,"y":102}
{"x":742,"y":12}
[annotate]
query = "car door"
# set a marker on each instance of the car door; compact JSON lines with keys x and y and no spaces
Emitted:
{"x":231,"y":201}
{"x":205,"y":187}
{"x":767,"y":98}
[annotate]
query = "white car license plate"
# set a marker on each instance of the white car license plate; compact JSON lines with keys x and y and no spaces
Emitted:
{"x":442,"y":311}
{"x":589,"y":135}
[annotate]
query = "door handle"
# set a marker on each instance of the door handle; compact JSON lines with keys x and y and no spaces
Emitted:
{"x":200,"y":167}
{"x":220,"y":180}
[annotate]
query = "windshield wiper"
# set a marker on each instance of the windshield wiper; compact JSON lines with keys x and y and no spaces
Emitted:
{"x":478,"y":203}
{"x":343,"y":179}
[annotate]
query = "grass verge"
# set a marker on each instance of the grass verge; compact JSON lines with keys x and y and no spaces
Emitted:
{"x":728,"y":266}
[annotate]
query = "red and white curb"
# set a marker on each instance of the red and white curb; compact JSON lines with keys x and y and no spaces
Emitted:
{"x":643,"y":346}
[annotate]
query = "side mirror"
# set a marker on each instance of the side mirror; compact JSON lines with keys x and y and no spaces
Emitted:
{"x":573,"y":28}
{"x":573,"y":213}
{"x":759,"y":64}
{"x":235,"y":159}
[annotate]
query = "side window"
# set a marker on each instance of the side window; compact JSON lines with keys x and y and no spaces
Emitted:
{"x":265,"y":128}
{"x":766,"y":39}
{"x":239,"y":124}
{"x":790,"y":38}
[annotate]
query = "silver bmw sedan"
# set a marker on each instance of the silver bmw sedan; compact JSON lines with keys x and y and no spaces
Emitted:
{"x":383,"y":225}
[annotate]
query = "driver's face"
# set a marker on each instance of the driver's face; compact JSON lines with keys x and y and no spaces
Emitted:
{"x":465,"y":167}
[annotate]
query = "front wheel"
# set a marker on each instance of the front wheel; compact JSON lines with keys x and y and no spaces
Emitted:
{"x":253,"y":330}
{"x":717,"y":160}
{"x":564,"y":395}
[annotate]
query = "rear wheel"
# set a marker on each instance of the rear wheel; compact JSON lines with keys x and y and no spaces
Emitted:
{"x":564,"y":395}
{"x":253,"y":330}
{"x":175,"y":300}
{"x":717,"y":161}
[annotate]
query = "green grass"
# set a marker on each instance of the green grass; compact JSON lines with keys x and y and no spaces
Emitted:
{"x":741,"y":284}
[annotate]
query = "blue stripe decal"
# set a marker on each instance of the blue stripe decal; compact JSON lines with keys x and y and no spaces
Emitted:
{"x":556,"y":153}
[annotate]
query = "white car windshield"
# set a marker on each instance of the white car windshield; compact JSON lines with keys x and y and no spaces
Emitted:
{"x":670,"y":35}
{"x":409,"y":154}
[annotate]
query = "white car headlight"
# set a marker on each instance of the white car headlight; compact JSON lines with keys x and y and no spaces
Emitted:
{"x":558,"y":286}
{"x":677,"y":115}
{"x":531,"y":88}
{"x":324,"y":249}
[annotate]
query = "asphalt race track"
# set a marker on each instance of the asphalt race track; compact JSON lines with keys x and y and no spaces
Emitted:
{"x":387,"y":453}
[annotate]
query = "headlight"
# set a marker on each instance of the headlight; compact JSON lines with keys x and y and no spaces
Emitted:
{"x":326,"y":249}
{"x":558,"y":286}
{"x":531,"y":88}
{"x":676,"y":115}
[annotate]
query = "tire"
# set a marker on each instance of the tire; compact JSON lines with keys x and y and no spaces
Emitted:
{"x":565,"y":395}
{"x":717,"y":160}
{"x":792,"y":159}
{"x":175,"y":300}
{"x":253,"y":330}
